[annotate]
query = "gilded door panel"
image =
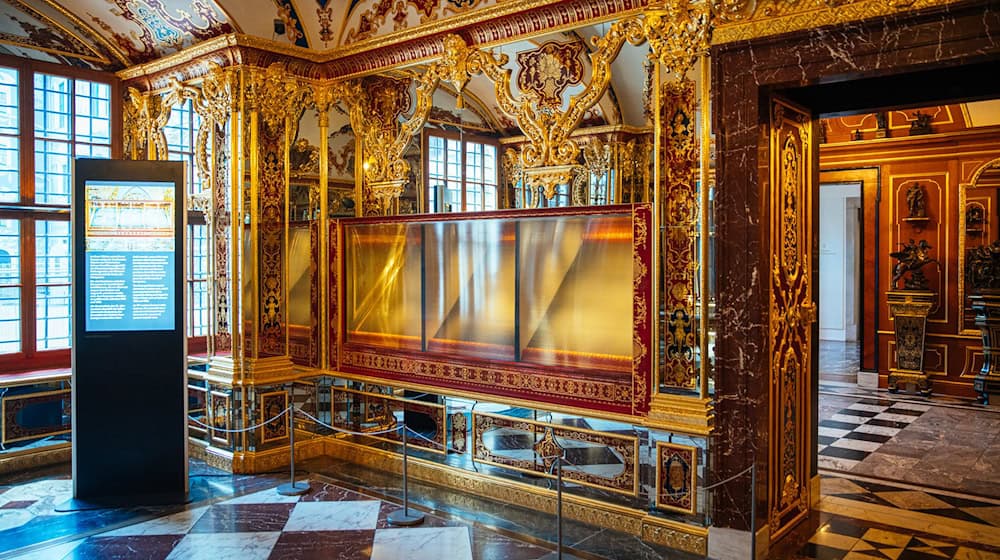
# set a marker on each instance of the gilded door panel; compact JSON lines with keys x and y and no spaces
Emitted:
{"x":792,"y":313}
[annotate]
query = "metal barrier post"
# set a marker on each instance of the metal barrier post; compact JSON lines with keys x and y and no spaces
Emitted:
{"x":290,"y":489}
{"x":402,"y":517}
{"x":559,"y":500}
{"x":753,"y":510}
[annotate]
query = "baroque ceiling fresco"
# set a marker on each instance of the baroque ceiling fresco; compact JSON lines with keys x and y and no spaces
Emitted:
{"x":113,"y":34}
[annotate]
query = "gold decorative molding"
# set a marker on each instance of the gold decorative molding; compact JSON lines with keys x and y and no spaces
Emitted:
{"x":35,"y":458}
{"x":272,"y":369}
{"x":681,"y":414}
{"x":743,"y":20}
{"x":145,"y":115}
{"x":666,"y":532}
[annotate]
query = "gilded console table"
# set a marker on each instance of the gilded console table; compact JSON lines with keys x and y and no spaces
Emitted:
{"x":909,"y":310}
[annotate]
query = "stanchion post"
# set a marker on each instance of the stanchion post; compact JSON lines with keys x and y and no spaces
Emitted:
{"x":753,"y":510}
{"x":291,"y":489}
{"x":402,"y":517}
{"x":559,"y":523}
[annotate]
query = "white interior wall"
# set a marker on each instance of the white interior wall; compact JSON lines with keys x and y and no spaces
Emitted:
{"x":838,"y":261}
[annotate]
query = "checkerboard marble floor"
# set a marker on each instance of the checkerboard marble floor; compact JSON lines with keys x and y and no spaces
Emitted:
{"x":329,"y":522}
{"x":852,"y":434}
{"x":863,"y":519}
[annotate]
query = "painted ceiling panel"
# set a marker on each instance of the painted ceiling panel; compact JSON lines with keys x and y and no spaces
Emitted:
{"x":145,"y":30}
{"x":43,"y":31}
{"x":372,"y":18}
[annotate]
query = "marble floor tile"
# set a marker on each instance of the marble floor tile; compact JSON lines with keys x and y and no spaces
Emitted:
{"x":330,"y":493}
{"x":844,"y":453}
{"x":840,"y":417}
{"x":153,"y":547}
{"x":912,"y":499}
{"x":225,"y":546}
{"x":964,"y":553}
{"x":837,"y":485}
{"x":833,"y":540}
{"x":856,"y":444}
{"x":323,"y":545}
{"x":877,"y":430}
{"x":243,"y":518}
{"x":905,"y":418}
{"x":54,"y":552}
{"x":989,"y":514}
{"x":833,"y":432}
{"x":912,"y":406}
{"x":835,"y":463}
{"x":914,"y":449}
{"x":417,"y":543}
{"x":487,"y":545}
{"x":11,"y":518}
{"x":334,"y":516}
{"x":269,"y":496}
{"x":867,"y":407}
{"x":890,"y":467}
{"x":176,"y":524}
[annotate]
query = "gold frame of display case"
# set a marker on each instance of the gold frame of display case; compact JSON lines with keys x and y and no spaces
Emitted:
{"x":549,"y":306}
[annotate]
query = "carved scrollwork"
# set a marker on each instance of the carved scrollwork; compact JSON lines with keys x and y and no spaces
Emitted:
{"x":677,"y":34}
{"x":276,"y":95}
{"x":145,"y":116}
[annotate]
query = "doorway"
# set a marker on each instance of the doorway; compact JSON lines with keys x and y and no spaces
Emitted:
{"x":840,"y":251}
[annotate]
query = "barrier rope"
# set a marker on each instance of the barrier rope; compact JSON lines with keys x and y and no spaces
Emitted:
{"x":730,"y":479}
{"x":343,"y":431}
{"x":240,"y":430}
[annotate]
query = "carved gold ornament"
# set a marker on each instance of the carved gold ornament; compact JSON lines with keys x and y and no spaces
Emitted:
{"x":145,"y":116}
{"x":677,"y":33}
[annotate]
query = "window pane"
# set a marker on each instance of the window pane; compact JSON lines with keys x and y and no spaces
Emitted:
{"x":490,"y":197}
{"x":92,"y":119}
{"x":181,"y":132}
{"x":10,"y":320}
{"x":52,"y":273}
{"x":10,"y":252}
{"x":52,"y":172}
{"x":9,"y":169}
{"x":10,"y":294}
{"x":8,"y":101}
{"x":52,"y":107}
{"x":490,"y":164}
{"x":197,"y":273}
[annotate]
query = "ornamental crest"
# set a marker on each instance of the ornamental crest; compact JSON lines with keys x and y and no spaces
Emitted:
{"x":548,"y":70}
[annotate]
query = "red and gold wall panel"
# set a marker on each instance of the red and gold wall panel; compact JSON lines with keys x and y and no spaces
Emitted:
{"x":271,"y":295}
{"x":943,"y":165}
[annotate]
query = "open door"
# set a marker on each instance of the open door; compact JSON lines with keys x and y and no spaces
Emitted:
{"x":792,"y":169}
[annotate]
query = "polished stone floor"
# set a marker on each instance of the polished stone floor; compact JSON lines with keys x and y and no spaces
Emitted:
{"x":939,"y":442}
{"x":244,"y":518}
{"x":858,"y":518}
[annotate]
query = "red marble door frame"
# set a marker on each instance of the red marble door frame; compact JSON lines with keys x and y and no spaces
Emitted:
{"x":745,"y":74}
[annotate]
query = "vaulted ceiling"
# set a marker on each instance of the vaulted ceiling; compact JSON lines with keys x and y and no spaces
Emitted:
{"x":113,"y":34}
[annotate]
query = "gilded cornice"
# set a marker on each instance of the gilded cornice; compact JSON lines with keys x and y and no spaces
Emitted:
{"x":742,"y":20}
{"x":734,"y":20}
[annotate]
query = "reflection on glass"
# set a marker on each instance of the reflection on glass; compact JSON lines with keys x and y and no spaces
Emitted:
{"x":383,"y":288}
{"x":551,"y":291}
{"x":576,"y":291}
{"x":982,"y":227}
{"x":470,"y":288}
{"x":299,"y":277}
